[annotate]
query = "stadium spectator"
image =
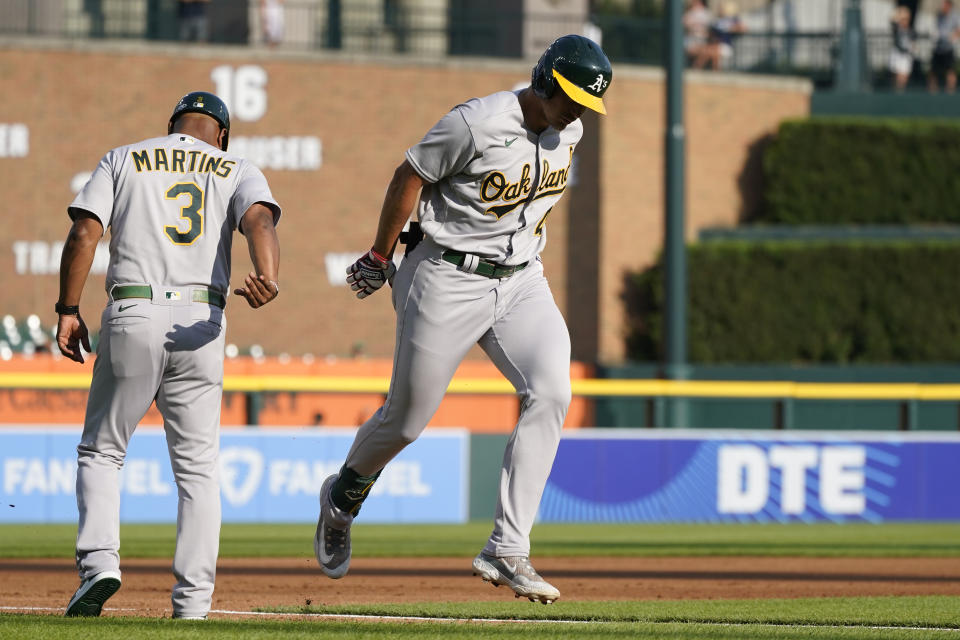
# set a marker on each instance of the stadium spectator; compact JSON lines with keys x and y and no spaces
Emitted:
{"x":901,"y":56}
{"x":723,"y":31}
{"x":943,"y":58}
{"x":193,"y":20}
{"x":94,"y":9}
{"x":914,"y":6}
{"x":271,"y":21}
{"x":696,"y":27}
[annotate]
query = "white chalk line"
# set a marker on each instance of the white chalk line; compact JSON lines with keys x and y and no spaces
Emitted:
{"x":386,"y":618}
{"x":389,"y":618}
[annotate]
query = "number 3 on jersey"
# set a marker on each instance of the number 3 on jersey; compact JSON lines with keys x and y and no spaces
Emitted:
{"x":191,"y":212}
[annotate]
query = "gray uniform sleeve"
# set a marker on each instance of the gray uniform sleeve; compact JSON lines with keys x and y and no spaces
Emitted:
{"x":97,"y":195}
{"x":252,"y":188}
{"x":446,"y":149}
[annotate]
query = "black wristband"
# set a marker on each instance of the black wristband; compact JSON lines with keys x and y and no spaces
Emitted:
{"x":67,"y":310}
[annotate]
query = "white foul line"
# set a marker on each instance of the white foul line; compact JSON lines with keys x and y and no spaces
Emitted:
{"x":386,"y":618}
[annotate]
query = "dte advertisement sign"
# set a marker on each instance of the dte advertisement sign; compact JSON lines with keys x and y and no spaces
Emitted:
{"x":265,"y":476}
{"x":692,"y":476}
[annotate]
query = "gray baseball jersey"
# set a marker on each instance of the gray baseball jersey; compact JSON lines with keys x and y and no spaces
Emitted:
{"x":492,"y":185}
{"x":493,"y":182}
{"x":172,"y":204}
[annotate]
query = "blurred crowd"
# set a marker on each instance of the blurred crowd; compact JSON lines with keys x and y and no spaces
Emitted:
{"x":195,"y":25}
{"x":711,"y":29}
{"x":708,"y":35}
{"x":27,"y":338}
{"x":904,"y":62}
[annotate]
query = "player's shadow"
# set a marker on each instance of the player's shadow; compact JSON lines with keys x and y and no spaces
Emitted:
{"x":203,"y":331}
{"x":752,"y":182}
{"x":193,"y":336}
{"x":548,"y":142}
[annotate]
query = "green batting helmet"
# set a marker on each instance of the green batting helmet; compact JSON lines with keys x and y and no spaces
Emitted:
{"x":578,"y":66}
{"x":207,"y":104}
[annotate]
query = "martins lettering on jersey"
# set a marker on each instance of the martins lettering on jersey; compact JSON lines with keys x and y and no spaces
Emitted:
{"x":181,"y":162}
{"x":178,"y":156}
{"x":494,"y":187}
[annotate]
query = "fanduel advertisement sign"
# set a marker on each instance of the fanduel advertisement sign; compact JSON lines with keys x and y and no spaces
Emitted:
{"x":265,"y":476}
{"x":695,"y":476}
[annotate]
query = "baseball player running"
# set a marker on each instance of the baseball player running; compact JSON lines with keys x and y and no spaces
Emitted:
{"x":172,"y":204}
{"x":488,"y":174}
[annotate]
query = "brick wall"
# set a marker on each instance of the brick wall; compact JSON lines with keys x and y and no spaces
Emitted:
{"x":80,"y":100}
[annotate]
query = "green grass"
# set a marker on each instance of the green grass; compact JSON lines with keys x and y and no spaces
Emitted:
{"x":294,"y":540}
{"x":912,"y":611}
{"x":56,"y":628}
{"x":854,"y":618}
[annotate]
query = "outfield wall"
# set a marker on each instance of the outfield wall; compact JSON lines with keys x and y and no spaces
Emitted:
{"x":752,"y":476}
{"x":266,"y":476}
{"x":328,"y":131}
{"x":600,"y":475}
{"x":62,"y":404}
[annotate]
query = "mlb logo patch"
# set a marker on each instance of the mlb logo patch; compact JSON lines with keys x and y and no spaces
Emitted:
{"x":171,"y":295}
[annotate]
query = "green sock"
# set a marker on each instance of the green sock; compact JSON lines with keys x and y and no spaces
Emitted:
{"x":350,"y":489}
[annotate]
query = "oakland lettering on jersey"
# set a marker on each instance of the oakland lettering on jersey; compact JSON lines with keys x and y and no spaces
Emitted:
{"x":494,"y":187}
{"x":197,"y":161}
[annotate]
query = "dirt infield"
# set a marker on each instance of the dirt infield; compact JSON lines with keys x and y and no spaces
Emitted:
{"x":246,"y":583}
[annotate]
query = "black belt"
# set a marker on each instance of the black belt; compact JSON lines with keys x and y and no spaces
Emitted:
{"x":200,"y":294}
{"x":484,"y":267}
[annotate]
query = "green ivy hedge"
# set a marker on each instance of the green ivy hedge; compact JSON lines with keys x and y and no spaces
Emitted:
{"x":862,"y":171}
{"x":807,"y":303}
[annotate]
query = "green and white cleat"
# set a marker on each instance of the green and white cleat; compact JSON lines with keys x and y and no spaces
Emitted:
{"x":93,"y":592}
{"x":517,"y":573}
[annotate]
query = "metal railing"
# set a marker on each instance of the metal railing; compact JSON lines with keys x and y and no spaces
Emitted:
{"x":657,"y":390}
{"x":370,"y":26}
{"x":808,"y":53}
{"x":426,"y":28}
{"x":76,"y":19}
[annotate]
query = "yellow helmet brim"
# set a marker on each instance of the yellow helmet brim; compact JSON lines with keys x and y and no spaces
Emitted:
{"x":578,"y":95}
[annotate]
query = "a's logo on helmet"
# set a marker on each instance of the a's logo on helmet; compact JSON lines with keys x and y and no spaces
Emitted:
{"x":598,"y":84}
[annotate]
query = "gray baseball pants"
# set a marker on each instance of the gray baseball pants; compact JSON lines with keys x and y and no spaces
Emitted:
{"x":441,"y":313}
{"x":171,"y":352}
